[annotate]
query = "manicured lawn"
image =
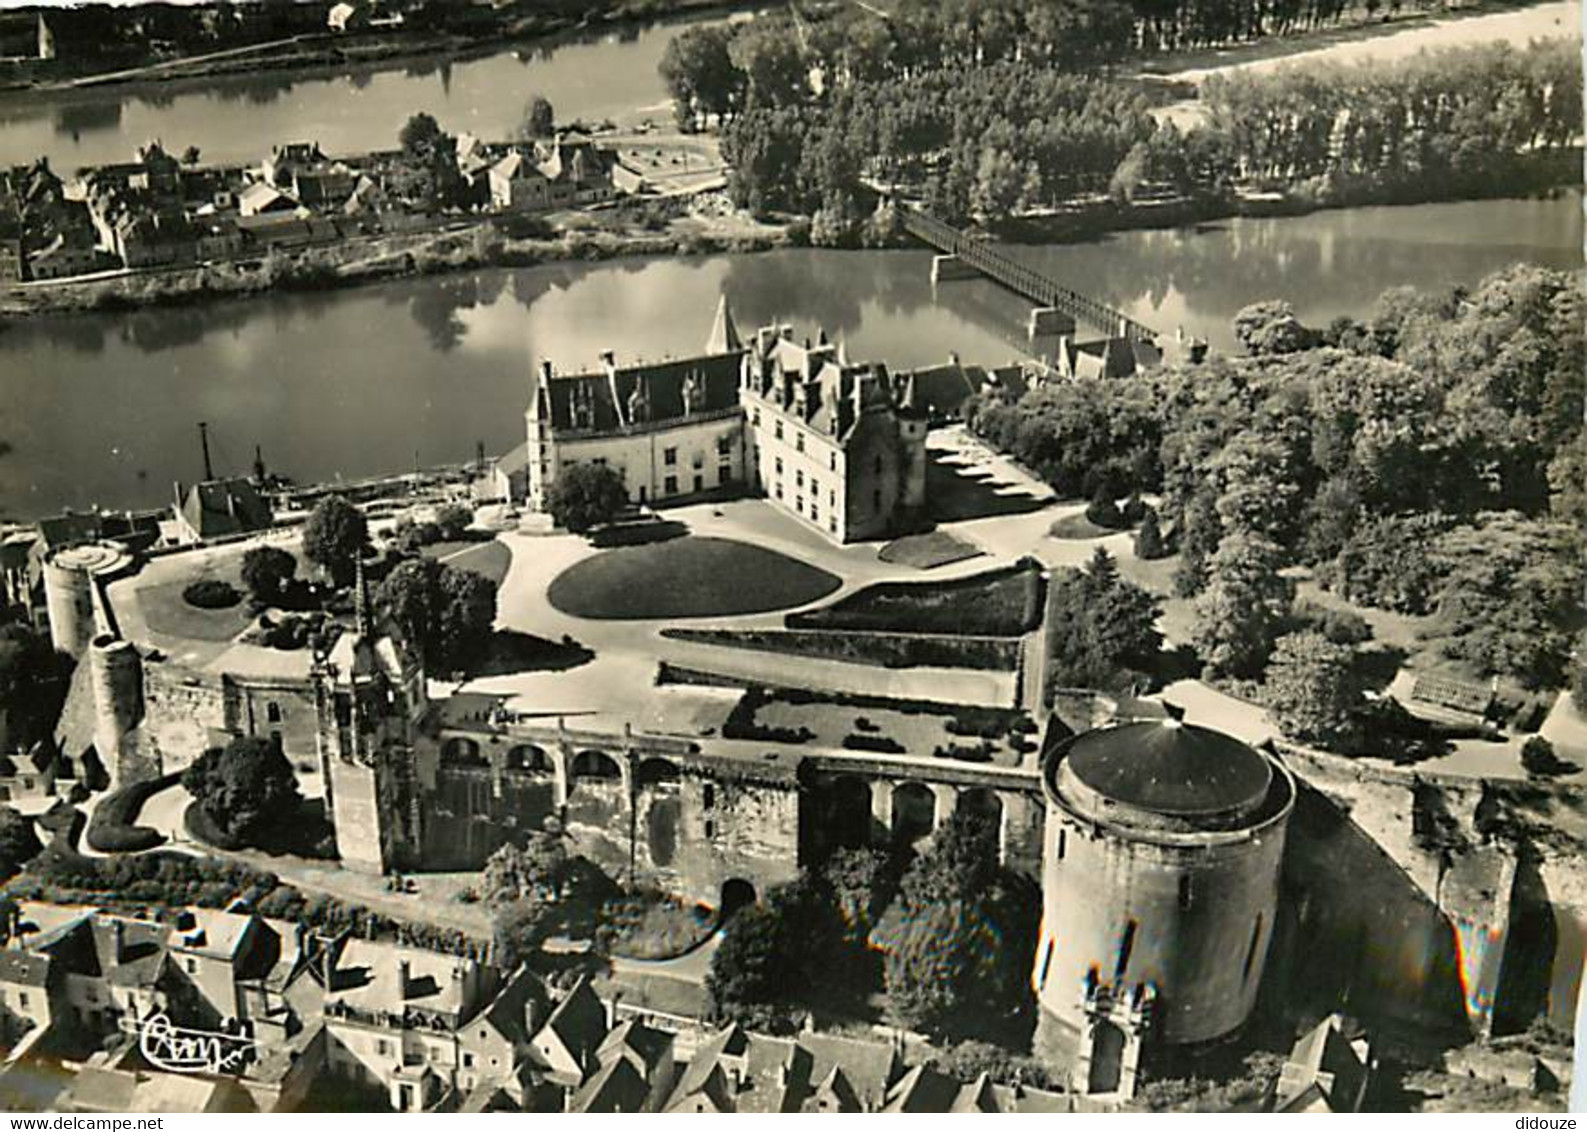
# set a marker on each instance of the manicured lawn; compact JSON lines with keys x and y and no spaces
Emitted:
{"x":652,"y":926}
{"x":1077,"y":526}
{"x":996,"y":603}
{"x":686,"y":577}
{"x":166,"y":611}
{"x":488,"y":559}
{"x":938,"y":548}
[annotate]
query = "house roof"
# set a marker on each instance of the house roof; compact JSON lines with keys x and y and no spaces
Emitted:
{"x":368,"y":977}
{"x":617,"y":1087}
{"x":724,"y":337}
{"x":508,"y":1012}
{"x":816,"y":384}
{"x":922,"y":1089}
{"x":578,"y":1023}
{"x":1167,"y":767}
{"x":214,"y":933}
{"x":704,"y":1070}
{"x":642,"y":1044}
{"x":224,"y":507}
{"x":633,"y":396}
{"x":868,"y":1066}
{"x":23,"y":968}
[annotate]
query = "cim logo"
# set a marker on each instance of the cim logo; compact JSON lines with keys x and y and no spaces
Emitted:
{"x":176,"y":1050}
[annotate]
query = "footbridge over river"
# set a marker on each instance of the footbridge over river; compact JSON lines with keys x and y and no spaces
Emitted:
{"x":1059,"y":309}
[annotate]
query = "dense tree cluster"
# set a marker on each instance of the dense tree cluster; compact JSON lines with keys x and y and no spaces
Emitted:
{"x":586,"y":496}
{"x":1460,"y":118}
{"x":33,"y":685}
{"x":246,"y":789}
{"x":268,"y":571}
{"x":335,"y":538}
{"x":1102,"y":626}
{"x":989,"y":110}
{"x":1425,"y":460}
{"x":445,"y":612}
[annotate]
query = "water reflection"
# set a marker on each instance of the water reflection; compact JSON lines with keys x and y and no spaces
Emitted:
{"x":101,"y":407}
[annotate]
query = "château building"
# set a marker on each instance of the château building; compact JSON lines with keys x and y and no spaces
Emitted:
{"x":839,"y":445}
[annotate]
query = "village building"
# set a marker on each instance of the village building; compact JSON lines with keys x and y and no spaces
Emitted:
{"x":219,"y":509}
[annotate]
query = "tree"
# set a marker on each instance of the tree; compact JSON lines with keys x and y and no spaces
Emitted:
{"x":420,"y":135}
{"x":863,"y":883}
{"x":267,"y":571}
{"x":539,"y":119}
{"x":1243,"y":609}
{"x":445,"y":612}
{"x":190,"y":155}
{"x":335,"y":538}
{"x":1271,"y":328}
{"x":19,"y":843}
{"x":773,"y":954}
{"x":1103,"y":510}
{"x":454,"y":519}
{"x":586,"y":496}
{"x":1149,"y":542}
{"x":958,"y":940}
{"x":1540,"y":761}
{"x":1104,"y":627}
{"x":34,"y":679}
{"x":1313,"y":692}
{"x":536,"y":871}
{"x":246,"y":788}
{"x":700,"y":75}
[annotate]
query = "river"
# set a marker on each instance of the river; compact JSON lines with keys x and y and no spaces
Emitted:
{"x":237,"y":118}
{"x":102,"y":408}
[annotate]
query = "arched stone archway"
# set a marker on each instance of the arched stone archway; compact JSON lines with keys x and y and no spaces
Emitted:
{"x":984,"y":807}
{"x":657,"y":771}
{"x":914,"y":812}
{"x":848,"y":812}
{"x":530,"y":757}
{"x":460,"y":750}
{"x":737,"y":893}
{"x":593,"y":764}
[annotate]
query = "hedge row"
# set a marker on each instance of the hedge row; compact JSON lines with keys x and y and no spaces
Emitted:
{"x":881,"y":650}
{"x":111,"y":828}
{"x":1006,"y":602}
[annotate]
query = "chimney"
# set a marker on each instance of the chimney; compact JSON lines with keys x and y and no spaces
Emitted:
{"x":177,"y":492}
{"x":404,"y":978}
{"x":545,"y":370}
{"x":787,"y":332}
{"x":953,"y":357}
{"x":119,"y":933}
{"x":609,"y":359}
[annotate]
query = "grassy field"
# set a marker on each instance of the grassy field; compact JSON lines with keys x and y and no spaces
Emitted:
{"x":687,"y":577}
{"x":997,"y":603}
{"x":928,"y":551}
{"x":488,"y":559}
{"x":166,"y":611}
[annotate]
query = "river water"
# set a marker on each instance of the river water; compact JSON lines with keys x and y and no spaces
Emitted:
{"x":237,"y":118}
{"x":102,"y":408}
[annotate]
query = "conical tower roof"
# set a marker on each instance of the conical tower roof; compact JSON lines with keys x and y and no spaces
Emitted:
{"x":724,"y":335}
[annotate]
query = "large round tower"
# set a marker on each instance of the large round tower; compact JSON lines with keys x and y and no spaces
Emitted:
{"x":70,"y":574}
{"x":1160,"y":874}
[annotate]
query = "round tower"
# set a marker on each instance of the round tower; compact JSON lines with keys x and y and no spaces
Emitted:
{"x":69,"y":576}
{"x":1160,"y":874}
{"x":116,"y":674}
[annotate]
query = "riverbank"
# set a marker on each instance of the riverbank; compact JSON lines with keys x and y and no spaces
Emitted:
{"x":321,"y":53}
{"x":459,"y":246}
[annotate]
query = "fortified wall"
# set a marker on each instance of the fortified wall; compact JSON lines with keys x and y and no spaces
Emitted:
{"x":1448,"y":901}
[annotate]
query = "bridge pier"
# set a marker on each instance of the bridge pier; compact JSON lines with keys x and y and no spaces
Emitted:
{"x":882,"y":808}
{"x":1048,"y":322}
{"x":949,"y":267}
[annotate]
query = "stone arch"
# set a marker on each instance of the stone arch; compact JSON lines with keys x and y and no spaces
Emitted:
{"x":657,"y":771}
{"x":848,"y":812}
{"x":530,"y":757}
{"x":595,"y":764}
{"x":460,"y":750}
{"x":914,"y":812}
{"x":737,"y":893}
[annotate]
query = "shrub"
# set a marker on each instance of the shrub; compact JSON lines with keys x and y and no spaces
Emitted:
{"x":1104,"y":511}
{"x":886,"y":650}
{"x":1540,"y":761}
{"x":1341,"y":626}
{"x":111,"y":829}
{"x":211,"y":593}
{"x":883,"y":744}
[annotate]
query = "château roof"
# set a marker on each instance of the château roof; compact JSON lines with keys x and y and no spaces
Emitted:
{"x":724,"y":337}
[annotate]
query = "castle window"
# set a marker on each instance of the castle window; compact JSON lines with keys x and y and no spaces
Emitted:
{"x":876,"y":500}
{"x":272,"y":712}
{"x":1250,"y":951}
{"x":1046,"y":962}
{"x":779,"y":465}
{"x":724,"y":445}
{"x":669,"y":486}
{"x":777,"y":430}
{"x":799,"y":477}
{"x":1126,"y":945}
{"x":815,"y":511}
{"x":878,"y":464}
{"x":698,"y":460}
{"x":754,"y":418}
{"x":832,"y":524}
{"x":799,"y":504}
{"x":669,"y":456}
{"x":710,"y":829}
{"x":834,"y":459}
{"x":191,"y":964}
{"x":1063,"y":842}
{"x":1186,"y":897}
{"x":799,"y":441}
{"x":724,"y":473}
{"x":708,"y":796}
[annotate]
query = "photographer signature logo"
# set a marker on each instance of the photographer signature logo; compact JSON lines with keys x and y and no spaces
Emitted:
{"x":177,"y":1050}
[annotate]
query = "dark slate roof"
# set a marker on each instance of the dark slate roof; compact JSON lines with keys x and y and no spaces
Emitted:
{"x":617,"y":1087}
{"x":1170,"y":768}
{"x":224,"y":507}
{"x":636,"y":395}
{"x":24,"y":968}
